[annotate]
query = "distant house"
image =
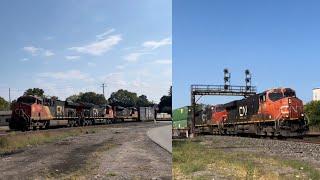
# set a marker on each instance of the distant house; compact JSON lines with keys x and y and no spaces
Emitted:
{"x":4,"y":118}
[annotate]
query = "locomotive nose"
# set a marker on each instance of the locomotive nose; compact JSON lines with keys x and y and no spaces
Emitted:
{"x":292,"y":108}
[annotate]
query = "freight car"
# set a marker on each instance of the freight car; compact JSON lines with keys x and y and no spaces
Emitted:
{"x":147,"y":113}
{"x":31,"y":112}
{"x":180,"y":121}
{"x":275,"y":112}
{"x":4,"y":118}
{"x":125,"y":114}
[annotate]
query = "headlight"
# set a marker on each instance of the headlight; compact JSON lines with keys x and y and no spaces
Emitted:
{"x":289,"y":100}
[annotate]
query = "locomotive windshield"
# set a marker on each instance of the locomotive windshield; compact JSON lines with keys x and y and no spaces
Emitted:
{"x":274,"y":96}
{"x":289,"y":93}
{"x":219,"y":109}
{"x":27,"y":99}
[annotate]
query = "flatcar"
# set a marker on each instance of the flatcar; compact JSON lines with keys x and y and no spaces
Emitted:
{"x":275,"y":112}
{"x":31,"y":112}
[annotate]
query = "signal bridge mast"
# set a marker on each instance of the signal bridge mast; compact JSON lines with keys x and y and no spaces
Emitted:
{"x":219,"y":90}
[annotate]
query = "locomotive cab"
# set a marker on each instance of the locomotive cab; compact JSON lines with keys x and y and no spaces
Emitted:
{"x":29,"y":100}
{"x":281,"y":103}
{"x":22,"y":111}
{"x":219,"y":114}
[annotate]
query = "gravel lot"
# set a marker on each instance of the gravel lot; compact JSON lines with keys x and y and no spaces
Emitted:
{"x":116,"y":152}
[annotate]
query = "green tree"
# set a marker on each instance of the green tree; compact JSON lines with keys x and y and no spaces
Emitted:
{"x":34,"y":92}
{"x":4,"y":105}
{"x":92,"y":97}
{"x":123,"y":98}
{"x":74,"y":98}
{"x":312,"y":110}
{"x":165,"y":104}
{"x":142,"y":101}
{"x":88,"y":97}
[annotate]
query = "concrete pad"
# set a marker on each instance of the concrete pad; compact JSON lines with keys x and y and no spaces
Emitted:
{"x":162,"y":136}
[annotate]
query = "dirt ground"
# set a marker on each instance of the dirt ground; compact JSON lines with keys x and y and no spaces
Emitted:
{"x":116,"y":152}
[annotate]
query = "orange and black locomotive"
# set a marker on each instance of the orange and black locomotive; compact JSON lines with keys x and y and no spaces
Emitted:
{"x":275,"y":112}
{"x":31,"y":112}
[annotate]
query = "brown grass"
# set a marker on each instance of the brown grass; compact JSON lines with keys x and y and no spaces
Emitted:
{"x":14,"y":142}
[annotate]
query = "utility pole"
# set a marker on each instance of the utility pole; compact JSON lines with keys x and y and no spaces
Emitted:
{"x":103,"y":86}
{"x":9,"y":96}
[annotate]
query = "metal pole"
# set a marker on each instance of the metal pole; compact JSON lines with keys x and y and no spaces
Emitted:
{"x":103,"y":89}
{"x":193,"y":109}
{"x":9,"y":96}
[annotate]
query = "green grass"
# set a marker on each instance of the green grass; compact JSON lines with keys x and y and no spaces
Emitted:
{"x":198,"y":161}
{"x":302,"y":166}
{"x":16,"y":141}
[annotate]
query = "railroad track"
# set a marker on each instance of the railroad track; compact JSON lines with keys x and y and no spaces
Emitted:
{"x":306,"y":139}
{"x":313,"y":138}
{"x":113,"y":125}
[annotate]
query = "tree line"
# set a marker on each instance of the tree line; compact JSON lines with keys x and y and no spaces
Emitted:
{"x":312,"y":111}
{"x":121,"y":97}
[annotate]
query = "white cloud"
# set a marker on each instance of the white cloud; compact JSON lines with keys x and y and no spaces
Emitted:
{"x":35,"y":51}
{"x":103,"y":35}
{"x":72,"y":58}
{"x":114,"y":81}
{"x":91,"y":64}
{"x":48,"y":53}
{"x":48,"y":38}
{"x":132,"y":57}
{"x":32,"y":50}
{"x":148,"y":46}
{"x":163,"y":61}
{"x":99,"y":47}
{"x":157,"y":44}
{"x":24,"y":59}
{"x":141,"y":82}
{"x":120,"y":67}
{"x":68,"y":75}
{"x":168,"y":73}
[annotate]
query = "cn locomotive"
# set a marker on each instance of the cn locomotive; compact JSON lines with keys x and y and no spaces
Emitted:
{"x":31,"y":112}
{"x":274,"y":112}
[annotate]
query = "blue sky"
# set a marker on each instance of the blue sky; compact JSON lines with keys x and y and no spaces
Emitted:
{"x":279,"y":41}
{"x":70,"y":46}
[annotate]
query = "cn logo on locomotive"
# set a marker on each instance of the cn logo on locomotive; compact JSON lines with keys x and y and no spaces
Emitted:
{"x":243,"y":111}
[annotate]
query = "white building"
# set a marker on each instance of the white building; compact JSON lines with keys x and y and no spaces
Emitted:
{"x":316,"y":94}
